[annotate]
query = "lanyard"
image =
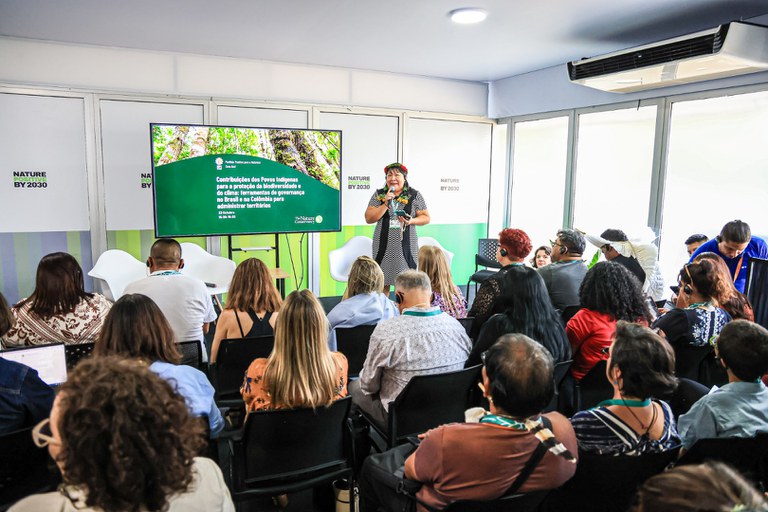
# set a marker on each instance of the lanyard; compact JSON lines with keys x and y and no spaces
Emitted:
{"x":625,"y":403}
{"x":410,"y":312}
{"x":501,"y":421}
{"x":738,"y":268}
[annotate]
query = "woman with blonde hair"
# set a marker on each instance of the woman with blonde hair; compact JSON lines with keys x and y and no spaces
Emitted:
{"x":300,"y":371}
{"x":447,"y":296}
{"x":363,"y":302}
{"x":252,"y":305}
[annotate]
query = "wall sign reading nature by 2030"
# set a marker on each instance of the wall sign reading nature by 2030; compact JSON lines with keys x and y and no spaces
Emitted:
{"x":226,"y":180}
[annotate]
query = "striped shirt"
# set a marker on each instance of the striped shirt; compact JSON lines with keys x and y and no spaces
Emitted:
{"x":600,"y":431}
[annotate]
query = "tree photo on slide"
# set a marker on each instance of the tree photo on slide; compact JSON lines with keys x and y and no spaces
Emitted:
{"x":313,"y":153}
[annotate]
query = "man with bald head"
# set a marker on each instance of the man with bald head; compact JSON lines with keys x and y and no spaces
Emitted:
{"x":184,"y":300}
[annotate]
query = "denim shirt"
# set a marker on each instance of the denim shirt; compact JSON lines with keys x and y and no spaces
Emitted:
{"x":24,"y":399}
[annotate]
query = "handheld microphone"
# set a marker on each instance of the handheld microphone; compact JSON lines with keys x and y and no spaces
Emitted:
{"x":391,"y":189}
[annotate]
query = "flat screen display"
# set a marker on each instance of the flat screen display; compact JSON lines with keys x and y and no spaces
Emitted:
{"x":231,"y":180}
{"x":49,"y":361}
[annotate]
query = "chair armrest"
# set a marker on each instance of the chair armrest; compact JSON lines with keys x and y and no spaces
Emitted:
{"x":486,"y":262}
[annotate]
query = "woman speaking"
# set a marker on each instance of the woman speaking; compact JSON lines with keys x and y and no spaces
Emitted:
{"x":395,"y":209}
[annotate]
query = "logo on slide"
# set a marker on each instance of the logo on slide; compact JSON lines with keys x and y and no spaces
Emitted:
{"x":219,"y":161}
{"x":319,"y":219}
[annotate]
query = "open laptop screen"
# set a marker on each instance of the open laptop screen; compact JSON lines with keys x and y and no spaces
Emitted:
{"x":49,"y":361}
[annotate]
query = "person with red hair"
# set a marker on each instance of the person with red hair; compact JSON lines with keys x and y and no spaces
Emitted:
{"x":514,"y":247}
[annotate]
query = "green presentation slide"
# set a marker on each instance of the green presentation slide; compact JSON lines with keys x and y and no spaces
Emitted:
{"x":225,"y":193}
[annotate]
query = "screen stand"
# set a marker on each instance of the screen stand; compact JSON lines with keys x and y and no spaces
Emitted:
{"x":279,"y":275}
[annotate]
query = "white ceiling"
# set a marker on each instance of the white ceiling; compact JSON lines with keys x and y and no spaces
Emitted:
{"x":401,"y":36}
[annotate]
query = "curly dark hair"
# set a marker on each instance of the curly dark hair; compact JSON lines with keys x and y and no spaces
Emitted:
{"x":610,"y":288}
{"x":127,"y":436}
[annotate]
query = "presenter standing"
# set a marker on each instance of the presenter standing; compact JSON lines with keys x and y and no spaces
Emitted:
{"x":396,"y":209}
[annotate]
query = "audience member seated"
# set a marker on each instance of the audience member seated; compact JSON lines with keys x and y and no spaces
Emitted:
{"x":514,"y":247}
{"x":527,"y":310}
{"x":542,"y":256}
{"x":693,"y":242}
{"x":24,"y":398}
{"x":736,"y":245}
{"x":363,"y":302}
{"x":641,"y":365}
{"x":252,"y":305}
{"x":698,"y":319}
{"x":136,"y":328}
{"x":740,"y":408}
{"x":608,"y":293}
{"x":708,"y":487}
{"x":639,"y":255}
{"x":564,"y":275}
{"x":184,"y":300}
{"x":300,"y":371}
{"x":482,"y":460}
{"x":731,"y":300}
{"x":59,"y":309}
{"x":422,"y":340}
{"x":124,"y":440}
{"x":447,"y":296}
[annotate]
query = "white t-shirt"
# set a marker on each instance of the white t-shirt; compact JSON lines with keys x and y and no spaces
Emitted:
{"x":184,"y":300}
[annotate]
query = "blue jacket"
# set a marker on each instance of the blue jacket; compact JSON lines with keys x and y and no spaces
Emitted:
{"x":757,"y":248}
{"x":25,"y":400}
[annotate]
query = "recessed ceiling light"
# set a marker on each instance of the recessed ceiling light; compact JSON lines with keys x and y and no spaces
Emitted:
{"x":467,"y":15}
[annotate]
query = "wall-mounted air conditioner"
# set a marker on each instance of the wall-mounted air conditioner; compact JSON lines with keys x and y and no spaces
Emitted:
{"x":728,"y":50}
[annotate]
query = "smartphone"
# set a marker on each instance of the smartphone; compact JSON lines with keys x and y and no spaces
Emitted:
{"x":401,"y":213}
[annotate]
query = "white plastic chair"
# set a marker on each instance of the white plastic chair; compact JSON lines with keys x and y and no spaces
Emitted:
{"x":428,"y":240}
{"x":210,"y":269}
{"x":341,"y":259}
{"x":116,"y":269}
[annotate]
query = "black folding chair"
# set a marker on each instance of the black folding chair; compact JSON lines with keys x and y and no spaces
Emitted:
{"x":568,"y":312}
{"x":192,"y":354}
{"x":561,"y":371}
{"x":353,"y":343}
{"x":756,"y":289}
{"x":428,"y":401}
{"x":593,"y":388}
{"x":285,"y":451}
{"x":75,"y":352}
{"x":685,"y":395}
{"x":467,"y":324}
{"x":606,"y":483}
{"x":24,"y":468}
{"x":486,"y":257}
{"x":749,"y":455}
{"x":698,"y":363}
{"x":329,"y":303}
{"x":232,"y":360}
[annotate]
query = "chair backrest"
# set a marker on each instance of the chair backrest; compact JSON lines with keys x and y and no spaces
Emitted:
{"x":212,"y":270}
{"x":74,"y":353}
{"x":685,"y":395}
{"x":689,"y":360}
{"x":191,"y":353}
{"x":467,"y":323}
{"x":568,"y":312}
{"x":607,"y":483}
{"x":756,"y":289}
{"x":559,"y":374}
{"x":486,"y":252}
{"x":289,"y":443}
{"x":23,"y":467}
{"x":329,"y":303}
{"x":749,"y":455}
{"x":232,"y":360}
{"x":594,"y":387}
{"x":428,"y":240}
{"x":528,"y":502}
{"x":428,"y":401}
{"x":117,"y":269}
{"x":353,"y":343}
{"x":340,"y":260}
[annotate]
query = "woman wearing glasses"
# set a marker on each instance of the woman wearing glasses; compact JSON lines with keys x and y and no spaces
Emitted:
{"x":124,"y":440}
{"x":396,"y":209}
{"x":698,"y":318}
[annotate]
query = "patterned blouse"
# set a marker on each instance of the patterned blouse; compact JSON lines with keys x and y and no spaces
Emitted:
{"x":257,"y":397}
{"x":461,"y":304}
{"x":82,"y":325}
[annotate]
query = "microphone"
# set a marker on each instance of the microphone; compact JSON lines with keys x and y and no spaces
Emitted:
{"x":391,"y":189}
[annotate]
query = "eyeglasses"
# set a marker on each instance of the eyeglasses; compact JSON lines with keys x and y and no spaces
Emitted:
{"x":42,"y":435}
{"x":555,"y":244}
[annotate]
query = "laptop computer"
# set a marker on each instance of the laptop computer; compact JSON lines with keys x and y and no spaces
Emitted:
{"x":49,"y":361}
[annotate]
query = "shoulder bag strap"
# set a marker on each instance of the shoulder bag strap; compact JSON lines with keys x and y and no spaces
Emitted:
{"x":536,"y":457}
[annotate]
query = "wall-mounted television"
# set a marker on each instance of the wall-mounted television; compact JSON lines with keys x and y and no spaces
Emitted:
{"x":234,"y":180}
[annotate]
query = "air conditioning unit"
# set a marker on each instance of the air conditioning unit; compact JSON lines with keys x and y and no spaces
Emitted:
{"x":732,"y":49}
